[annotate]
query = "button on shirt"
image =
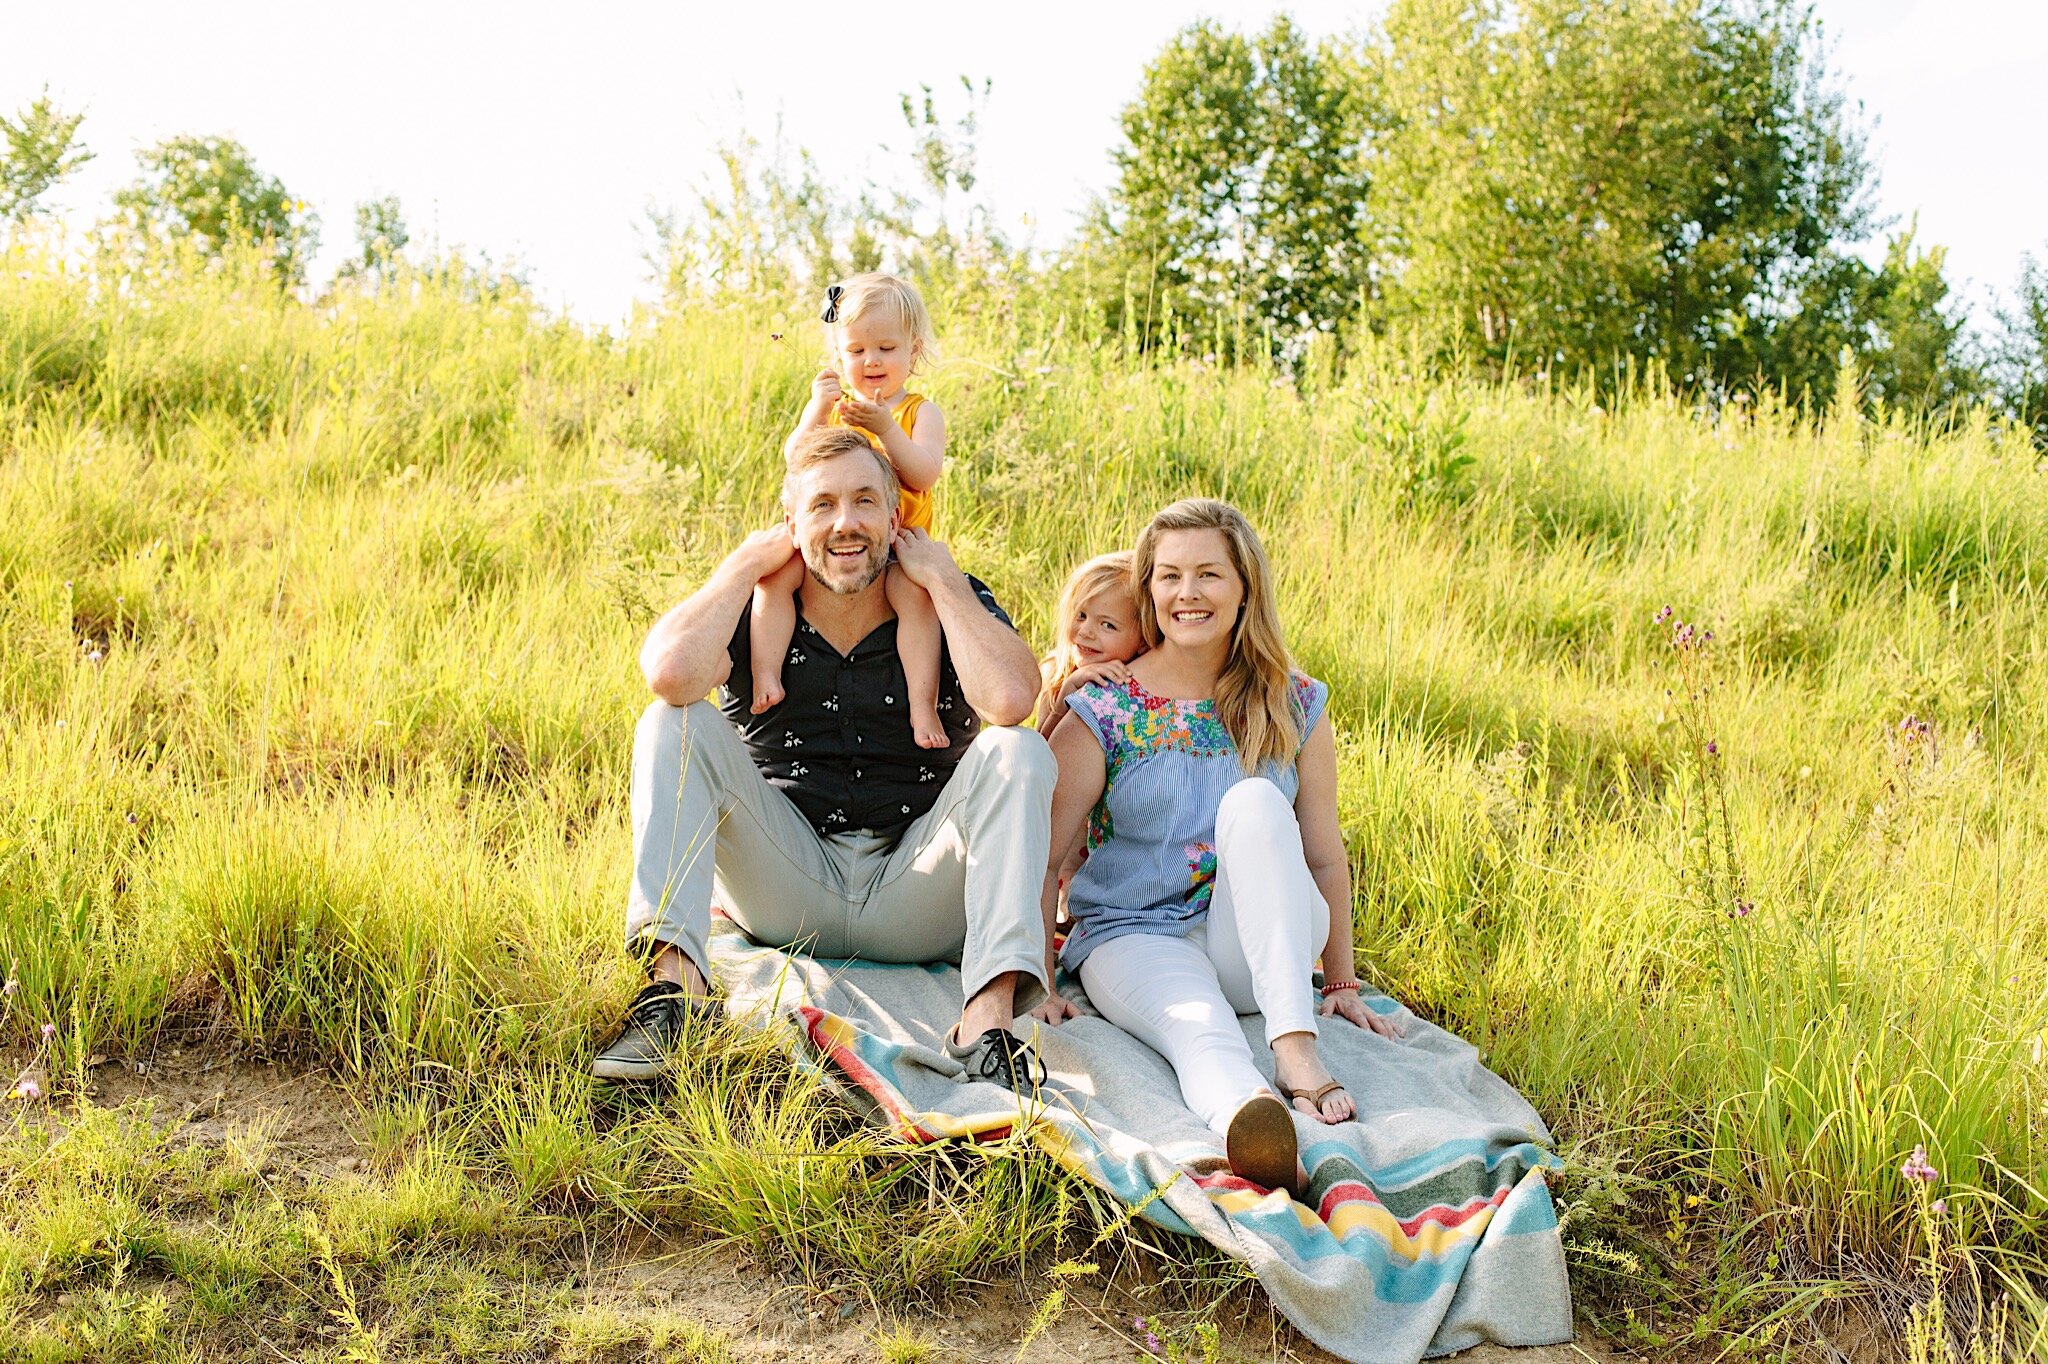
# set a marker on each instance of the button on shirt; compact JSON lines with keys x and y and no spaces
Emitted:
{"x":839,"y":744}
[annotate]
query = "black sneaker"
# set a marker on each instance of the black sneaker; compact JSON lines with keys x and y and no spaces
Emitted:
{"x":655,"y":1024}
{"x":1007,"y":1059}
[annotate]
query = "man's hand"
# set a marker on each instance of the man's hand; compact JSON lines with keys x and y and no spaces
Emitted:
{"x":866,"y":413}
{"x":927,"y":561}
{"x":825,"y":388}
{"x":763,"y":551}
{"x":1053,"y":1008}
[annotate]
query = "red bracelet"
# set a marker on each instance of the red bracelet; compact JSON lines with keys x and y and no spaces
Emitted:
{"x":1337,"y":986}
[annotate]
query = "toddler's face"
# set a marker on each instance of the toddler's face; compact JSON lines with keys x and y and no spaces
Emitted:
{"x":874,"y":356}
{"x":1106,"y":630}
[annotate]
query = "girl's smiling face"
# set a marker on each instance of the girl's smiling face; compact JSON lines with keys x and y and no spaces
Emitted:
{"x":1105,"y":630}
{"x":875,"y":355}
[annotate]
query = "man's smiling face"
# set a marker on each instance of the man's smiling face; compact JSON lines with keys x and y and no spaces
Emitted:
{"x":843,"y":517}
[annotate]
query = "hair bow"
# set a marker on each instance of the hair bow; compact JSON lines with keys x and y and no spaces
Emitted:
{"x":832,"y":303}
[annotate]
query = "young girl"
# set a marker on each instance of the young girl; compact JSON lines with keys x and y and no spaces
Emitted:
{"x":1095,"y":634}
{"x":879,"y":333}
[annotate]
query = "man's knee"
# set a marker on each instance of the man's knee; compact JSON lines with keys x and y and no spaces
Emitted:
{"x":1253,"y":804}
{"x":1016,"y":754}
{"x":665,"y":726}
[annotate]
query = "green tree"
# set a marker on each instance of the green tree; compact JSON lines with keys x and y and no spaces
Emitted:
{"x":209,"y":191}
{"x":1568,"y":182}
{"x":1240,"y":193}
{"x":381,"y":237}
{"x":1897,"y":319}
{"x":2019,"y":361}
{"x":41,"y":148}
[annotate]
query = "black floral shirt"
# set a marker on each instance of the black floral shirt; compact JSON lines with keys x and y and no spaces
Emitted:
{"x":839,"y":745}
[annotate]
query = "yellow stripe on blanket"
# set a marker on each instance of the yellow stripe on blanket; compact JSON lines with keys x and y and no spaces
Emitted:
{"x":1431,"y":1239}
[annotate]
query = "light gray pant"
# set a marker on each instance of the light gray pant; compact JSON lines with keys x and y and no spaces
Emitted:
{"x":960,"y":885}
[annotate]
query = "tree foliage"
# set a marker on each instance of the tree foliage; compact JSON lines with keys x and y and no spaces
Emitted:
{"x":1241,"y":189}
{"x":38,"y":148}
{"x":381,"y":238}
{"x":208,"y":191}
{"x":2020,"y":352}
{"x":1526,"y":184}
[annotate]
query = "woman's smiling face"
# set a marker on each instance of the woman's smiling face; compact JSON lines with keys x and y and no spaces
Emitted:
{"x":1196,"y":589}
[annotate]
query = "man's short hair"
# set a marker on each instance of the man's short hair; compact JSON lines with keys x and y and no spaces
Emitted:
{"x":822,"y":443}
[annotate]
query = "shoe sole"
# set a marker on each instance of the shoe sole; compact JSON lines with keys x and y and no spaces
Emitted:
{"x":607,"y":1069}
{"x":1261,"y":1143}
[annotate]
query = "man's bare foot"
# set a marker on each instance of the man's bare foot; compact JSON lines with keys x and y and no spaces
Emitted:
{"x":924,"y":723}
{"x":767,"y":692}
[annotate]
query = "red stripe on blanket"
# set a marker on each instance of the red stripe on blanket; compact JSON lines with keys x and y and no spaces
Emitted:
{"x":1443,"y":1214}
{"x":872,"y":1084}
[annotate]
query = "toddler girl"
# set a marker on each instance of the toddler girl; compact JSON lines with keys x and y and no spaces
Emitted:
{"x":879,"y":333}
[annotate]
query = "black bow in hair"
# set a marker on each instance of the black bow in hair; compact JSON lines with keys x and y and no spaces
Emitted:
{"x":832,"y":303}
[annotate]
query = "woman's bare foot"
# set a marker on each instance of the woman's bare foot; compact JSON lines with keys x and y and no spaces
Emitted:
{"x":924,"y":723}
{"x":767,"y":691}
{"x":1307,"y":1083}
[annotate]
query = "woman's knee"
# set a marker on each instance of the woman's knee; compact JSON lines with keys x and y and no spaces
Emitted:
{"x":1254,"y":804}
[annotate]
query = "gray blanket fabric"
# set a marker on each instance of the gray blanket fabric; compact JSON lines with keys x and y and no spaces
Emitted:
{"x":1428,"y":1228}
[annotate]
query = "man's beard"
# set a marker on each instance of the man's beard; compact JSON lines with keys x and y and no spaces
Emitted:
{"x":875,"y":562}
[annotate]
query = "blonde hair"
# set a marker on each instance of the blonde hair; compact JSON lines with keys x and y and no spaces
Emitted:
{"x":877,"y":292}
{"x":1103,"y":573}
{"x":822,"y":443}
{"x":1255,"y":695}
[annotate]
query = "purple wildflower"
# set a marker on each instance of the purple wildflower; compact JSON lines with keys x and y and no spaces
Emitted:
{"x":1917,"y":1168}
{"x":49,"y":1031}
{"x":1713,"y":749}
{"x":28,"y":1089}
{"x":1939,"y":1207}
{"x":1663,"y":615}
{"x":1744,"y":908}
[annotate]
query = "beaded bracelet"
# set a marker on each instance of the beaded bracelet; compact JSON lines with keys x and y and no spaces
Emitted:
{"x":1336,"y":986}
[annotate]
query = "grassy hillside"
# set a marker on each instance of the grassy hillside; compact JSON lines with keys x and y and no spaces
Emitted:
{"x":317,"y":627}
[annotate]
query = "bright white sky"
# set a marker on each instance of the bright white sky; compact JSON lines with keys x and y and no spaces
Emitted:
{"x":541,"y":133}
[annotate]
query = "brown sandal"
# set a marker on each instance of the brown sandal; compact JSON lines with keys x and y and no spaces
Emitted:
{"x":1261,"y":1144}
{"x":1315,"y":1099}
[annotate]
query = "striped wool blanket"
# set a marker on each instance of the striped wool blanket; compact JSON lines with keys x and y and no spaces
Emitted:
{"x":1428,"y":1228}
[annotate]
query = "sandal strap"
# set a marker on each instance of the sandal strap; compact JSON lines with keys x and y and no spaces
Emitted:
{"x":1316,"y":1097}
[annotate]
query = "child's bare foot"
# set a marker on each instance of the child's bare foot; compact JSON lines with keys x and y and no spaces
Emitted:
{"x":924,"y":723}
{"x":767,"y":693}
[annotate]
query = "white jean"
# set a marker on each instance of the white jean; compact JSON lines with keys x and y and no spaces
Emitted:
{"x":1181,"y":995}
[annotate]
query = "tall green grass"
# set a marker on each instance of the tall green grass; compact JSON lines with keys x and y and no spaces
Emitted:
{"x":317,"y":628}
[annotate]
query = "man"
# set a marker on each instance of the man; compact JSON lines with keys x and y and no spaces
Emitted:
{"x":820,"y":821}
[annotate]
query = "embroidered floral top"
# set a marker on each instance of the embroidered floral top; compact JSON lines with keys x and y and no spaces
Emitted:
{"x":1152,"y":837}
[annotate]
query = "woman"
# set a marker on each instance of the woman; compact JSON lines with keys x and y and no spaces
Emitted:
{"x":1216,"y":872}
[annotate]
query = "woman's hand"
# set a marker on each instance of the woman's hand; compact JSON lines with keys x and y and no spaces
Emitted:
{"x":1347,"y":1005}
{"x":1109,"y":670}
{"x":1053,"y":1008}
